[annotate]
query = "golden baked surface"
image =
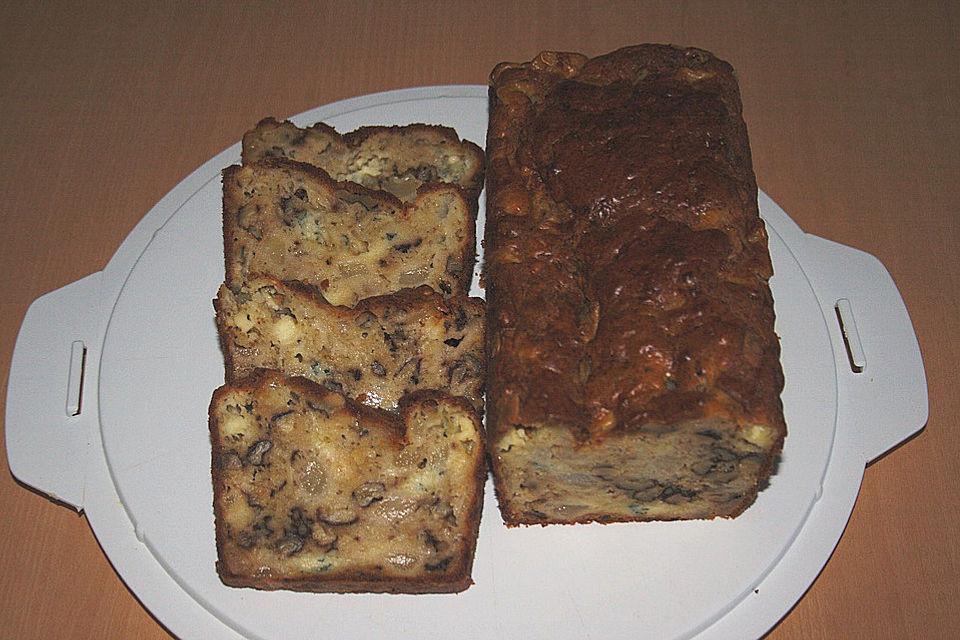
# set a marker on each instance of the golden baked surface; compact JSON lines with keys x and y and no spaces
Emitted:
{"x":633,"y":367}
{"x":292,"y":221}
{"x":397,"y":159}
{"x":314,"y":492}
{"x":376,"y":352}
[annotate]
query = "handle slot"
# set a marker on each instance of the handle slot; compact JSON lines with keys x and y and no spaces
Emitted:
{"x":78,"y":365}
{"x":851,"y":337}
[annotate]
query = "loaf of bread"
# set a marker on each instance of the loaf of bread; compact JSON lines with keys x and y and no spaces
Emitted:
{"x":376,"y":352}
{"x":633,"y":368}
{"x":292,"y":221}
{"x":314,"y":492}
{"x":398,"y":159}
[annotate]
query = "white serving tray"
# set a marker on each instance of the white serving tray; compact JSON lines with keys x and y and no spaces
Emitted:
{"x":135,"y":456}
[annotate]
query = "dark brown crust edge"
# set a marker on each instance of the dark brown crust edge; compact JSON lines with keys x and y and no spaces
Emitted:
{"x":359,"y":582}
{"x":231,"y":204}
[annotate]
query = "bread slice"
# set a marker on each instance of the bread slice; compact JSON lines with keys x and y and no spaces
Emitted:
{"x":313,"y":492}
{"x":294,"y":222}
{"x":633,"y":365}
{"x":398,"y":159}
{"x":376,"y":352}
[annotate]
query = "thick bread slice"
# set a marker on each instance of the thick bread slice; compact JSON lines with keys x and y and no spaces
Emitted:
{"x":313,"y":492}
{"x":633,"y":367}
{"x":397,"y":159}
{"x":292,"y":221}
{"x":376,"y":352}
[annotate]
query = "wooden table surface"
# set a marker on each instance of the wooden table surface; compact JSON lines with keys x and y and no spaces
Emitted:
{"x":853,"y":114}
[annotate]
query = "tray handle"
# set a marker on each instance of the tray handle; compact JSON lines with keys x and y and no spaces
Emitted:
{"x":51,"y":392}
{"x":882,"y":387}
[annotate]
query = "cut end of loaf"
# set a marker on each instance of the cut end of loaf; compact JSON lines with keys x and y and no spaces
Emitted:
{"x":692,"y":470}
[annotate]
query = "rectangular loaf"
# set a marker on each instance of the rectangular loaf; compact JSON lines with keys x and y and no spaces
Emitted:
{"x":314,"y":492}
{"x":633,"y":368}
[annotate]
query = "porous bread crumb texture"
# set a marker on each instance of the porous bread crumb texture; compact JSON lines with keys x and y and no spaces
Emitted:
{"x":620,"y":189}
{"x":377,"y":352}
{"x":292,"y":221}
{"x":398,"y":159}
{"x":315,"y":492}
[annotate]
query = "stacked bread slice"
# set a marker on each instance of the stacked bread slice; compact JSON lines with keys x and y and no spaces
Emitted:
{"x":347,"y":442}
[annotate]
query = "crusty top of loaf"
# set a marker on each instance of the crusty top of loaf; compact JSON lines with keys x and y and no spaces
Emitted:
{"x":620,"y":189}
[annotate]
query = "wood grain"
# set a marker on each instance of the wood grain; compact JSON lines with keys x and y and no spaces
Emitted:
{"x":852,"y":111}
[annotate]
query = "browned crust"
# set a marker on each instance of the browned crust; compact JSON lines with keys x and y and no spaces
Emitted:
{"x":519,"y":267}
{"x":359,"y":581}
{"x":232,"y":200}
{"x":472,"y":184}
